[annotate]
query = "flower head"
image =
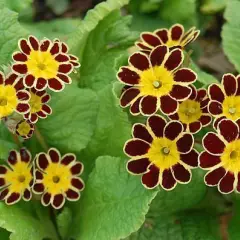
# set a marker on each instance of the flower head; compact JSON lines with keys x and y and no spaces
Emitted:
{"x":222,"y":157}
{"x":17,"y":179}
{"x":155,"y":82}
{"x":193,"y":112}
{"x":24,"y":129}
{"x":225,"y":99}
{"x":43,"y":64}
{"x":175,"y":37}
{"x":161,"y":152}
{"x":38,"y":105}
{"x":58,"y":178}
{"x":12,"y":96}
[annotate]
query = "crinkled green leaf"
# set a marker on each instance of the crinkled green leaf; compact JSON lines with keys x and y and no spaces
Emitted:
{"x":72,"y":123}
{"x":113,"y":204}
{"x":213,"y":6}
{"x":64,"y":221}
{"x":17,"y":5}
{"x":231,"y":33}
{"x":233,"y":229}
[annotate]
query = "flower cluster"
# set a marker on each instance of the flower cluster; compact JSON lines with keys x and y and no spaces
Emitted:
{"x":162,"y":151}
{"x":54,"y":177}
{"x":38,"y":67}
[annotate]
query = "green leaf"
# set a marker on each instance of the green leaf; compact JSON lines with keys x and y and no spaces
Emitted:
{"x":23,"y":225}
{"x":113,"y":204}
{"x":113,"y":129}
{"x":58,"y":6}
{"x":4,"y":235}
{"x":17,"y":5}
{"x":64,"y":220}
{"x":213,"y":6}
{"x":10,"y":32}
{"x":72,"y":123}
{"x":231,"y":34}
{"x":233,"y":229}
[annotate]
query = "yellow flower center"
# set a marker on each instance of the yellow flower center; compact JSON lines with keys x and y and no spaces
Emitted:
{"x":231,"y":156}
{"x":231,"y":107}
{"x":163,"y":153}
{"x":172,"y":43}
{"x":24,"y":128}
{"x":57,"y":178}
{"x":42,"y":65}
{"x":157,"y":81}
{"x":19,"y":178}
{"x":8,"y":100}
{"x":35,"y":103}
{"x":189,"y":111}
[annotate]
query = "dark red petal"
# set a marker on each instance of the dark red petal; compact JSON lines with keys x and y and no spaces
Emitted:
{"x":215,"y":107}
{"x":139,"y":61}
{"x":180,"y":92}
{"x":20,"y":57}
{"x":25,"y":48}
{"x":38,"y":187}
{"x":142,"y":46}
{"x":64,"y":78}
{"x":34,"y":43}
{"x":150,"y":39}
{"x":46,"y":198}
{"x":174,"y":116}
{"x":55,"y":84}
{"x":41,"y":84}
{"x":174,"y":60}
{"x":158,"y":55}
{"x":176,"y":32}
{"x":29,"y":81}
{"x":25,"y":155}
{"x":190,"y":158}
{"x":195,"y":127}
{"x":205,"y":120}
{"x":62,"y":58}
{"x":54,"y":155}
{"x":215,"y":93}
{"x":148,"y":105}
{"x":27,"y":195}
{"x":206,"y":160}
{"x":168,"y":181}
{"x":185,"y":143}
{"x":23,"y":96}
{"x":2,"y":78}
{"x":20,"y":68}
{"x":217,"y":121}
{"x":58,"y":201}
{"x":151,"y":178}
{"x":172,"y":130}
{"x":136,"y":147}
{"x":213,"y":144}
{"x":230,"y":84}
{"x":45,"y":45}
{"x":72,"y":195}
{"x":46,"y":109}
{"x":201,"y":94}
{"x":2,"y":182}
{"x":229,"y":130}
{"x":4,"y":193}
{"x":238,"y":182}
{"x":181,"y":174}
{"x":46,"y":98}
{"x":135,"y":108}
{"x":77,"y":168}
{"x":33,"y":117}
{"x":77,"y":183}
{"x":212,"y":178}
{"x":226,"y":184}
{"x":12,"y":158}
{"x":168,"y":105}
{"x":65,"y":68}
{"x":23,"y":107}
{"x":65,"y":49}
{"x":3,"y":169}
{"x":13,"y":198}
{"x":157,"y":125}
{"x":128,"y":96}
{"x":163,"y":35}
{"x":128,"y":76}
{"x":185,"y":75}
{"x":42,"y":161}
{"x":138,"y":166}
{"x":140,"y":131}
{"x":55,"y":48}
{"x":38,"y":175}
{"x":68,"y":159}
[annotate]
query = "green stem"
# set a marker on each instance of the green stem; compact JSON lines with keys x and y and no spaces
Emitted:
{"x":41,"y":139}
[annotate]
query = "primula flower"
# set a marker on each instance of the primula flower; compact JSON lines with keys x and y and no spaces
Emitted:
{"x":12,"y":97}
{"x":193,"y":112}
{"x":58,"y":178}
{"x":155,"y":82}
{"x":175,"y":37}
{"x":17,"y":179}
{"x":24,"y":129}
{"x":43,"y":64}
{"x":225,"y":99}
{"x":38,"y":105}
{"x":222,"y":157}
{"x":161,"y":152}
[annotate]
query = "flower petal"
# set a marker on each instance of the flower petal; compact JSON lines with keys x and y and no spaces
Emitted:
{"x":54,"y":155}
{"x":185,"y":75}
{"x":58,"y":201}
{"x":136,"y":147}
{"x":138,"y":166}
{"x":173,"y":129}
{"x":185,"y":143}
{"x":45,"y":45}
{"x":19,"y":57}
{"x":162,"y":34}
{"x":77,"y":183}
{"x":42,"y":161}
{"x":205,"y":119}
{"x":128,"y":76}
{"x":140,"y":131}
{"x":212,"y":178}
{"x":190,"y":158}
{"x":229,"y":83}
{"x":128,"y":96}
{"x":158,"y":55}
{"x":157,"y":125}
{"x":226,"y":184}
{"x":12,"y":157}
{"x":135,"y":108}
{"x":213,"y":144}
{"x":215,"y":108}
{"x":65,"y":68}
{"x":34,"y":43}
{"x":77,"y":169}
{"x":46,"y":199}
{"x":29,"y":81}
{"x":13,"y":198}
{"x":216,"y":93}
{"x":139,"y":61}
{"x":195,"y":127}
{"x":176,"y":32}
{"x":25,"y":155}
{"x":41,"y":84}
{"x":148,"y":105}
{"x":207,"y":160}
{"x":150,"y":39}
{"x":168,"y":181}
{"x":68,"y":159}
{"x":72,"y":195}
{"x":20,"y":68}
{"x":23,"y":45}
{"x":181,"y":173}
{"x":151,"y":178}
{"x":229,"y":130}
{"x":168,"y":105}
{"x":174,"y":60}
{"x":180,"y":92}
{"x":55,"y":85}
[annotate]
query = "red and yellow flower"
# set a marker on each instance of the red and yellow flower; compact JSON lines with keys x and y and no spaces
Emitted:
{"x":12,"y":97}
{"x":193,"y":112}
{"x":225,"y":99}
{"x":155,"y":82}
{"x":38,"y":105}
{"x":175,"y":37}
{"x":43,"y":64}
{"x":24,"y":129}
{"x":222,"y":157}
{"x":161,"y":152}
{"x":17,"y":179}
{"x":58,"y":178}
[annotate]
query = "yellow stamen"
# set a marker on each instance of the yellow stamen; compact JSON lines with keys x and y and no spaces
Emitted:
{"x":231,"y":107}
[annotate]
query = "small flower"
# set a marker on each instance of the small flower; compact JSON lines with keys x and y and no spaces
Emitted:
{"x":12,"y":97}
{"x":17,"y":179}
{"x":222,"y":157}
{"x":38,"y":105}
{"x":175,"y":37}
{"x":58,"y":178}
{"x":25,"y":129}
{"x":225,"y":99}
{"x":43,"y":64}
{"x":193,"y":112}
{"x":161,"y":152}
{"x":155,"y":82}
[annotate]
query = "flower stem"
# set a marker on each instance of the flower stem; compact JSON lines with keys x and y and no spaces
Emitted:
{"x":41,"y":139}
{"x":16,"y":140}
